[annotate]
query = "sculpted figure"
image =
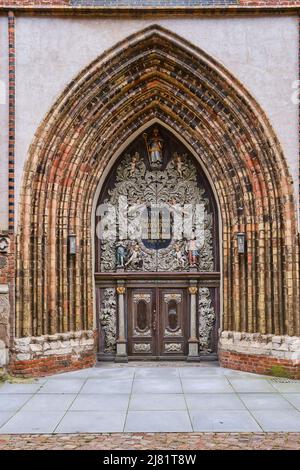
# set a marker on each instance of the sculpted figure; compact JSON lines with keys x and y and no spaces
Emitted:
{"x":135,"y":257}
{"x":193,"y":250}
{"x":154,"y":147}
{"x":121,"y":254}
{"x":179,"y":255}
{"x":178,"y":163}
{"x":133,"y":163}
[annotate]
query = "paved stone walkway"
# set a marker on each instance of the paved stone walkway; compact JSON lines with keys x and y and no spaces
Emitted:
{"x":135,"y":399}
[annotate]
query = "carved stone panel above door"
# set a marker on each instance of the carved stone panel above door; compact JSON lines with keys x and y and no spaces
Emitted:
{"x":156,"y":216}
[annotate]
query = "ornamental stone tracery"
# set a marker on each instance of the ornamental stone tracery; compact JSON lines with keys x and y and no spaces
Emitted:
{"x":154,"y":75}
{"x":172,"y":189}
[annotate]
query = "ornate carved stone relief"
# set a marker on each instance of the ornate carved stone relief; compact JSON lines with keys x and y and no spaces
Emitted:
{"x":173,"y":333}
{"x":173,"y":347}
{"x":170,"y":189}
{"x":142,"y":347}
{"x":108,"y":319}
{"x":139,"y":333}
{"x":176,"y":297}
{"x":207,"y":318}
{"x":138,"y":297}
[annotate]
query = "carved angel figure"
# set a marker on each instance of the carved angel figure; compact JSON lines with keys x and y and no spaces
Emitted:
{"x":135,"y":259}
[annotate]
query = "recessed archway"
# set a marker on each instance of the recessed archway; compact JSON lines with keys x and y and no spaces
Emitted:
{"x":154,"y":74}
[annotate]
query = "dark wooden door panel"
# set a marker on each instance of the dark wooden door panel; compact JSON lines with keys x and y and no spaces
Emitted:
{"x":173,"y":322}
{"x":157,"y":322}
{"x":141,"y":332}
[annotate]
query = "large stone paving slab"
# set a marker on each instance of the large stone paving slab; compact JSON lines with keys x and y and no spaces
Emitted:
{"x":157,"y":385}
{"x":150,"y":398}
{"x":224,"y":421}
{"x":157,"y":402}
{"x":107,"y":385}
{"x":32,"y":422}
{"x":19,"y":388}
{"x":92,"y":421}
{"x":13,"y":401}
{"x":158,"y":421}
{"x":101,"y":401}
{"x":245,"y":385}
{"x":293,"y":398}
{"x":62,"y":386}
{"x":214,"y":401}
{"x":278,"y":420}
{"x":49,"y":402}
{"x":265,"y":401}
{"x":206,"y":385}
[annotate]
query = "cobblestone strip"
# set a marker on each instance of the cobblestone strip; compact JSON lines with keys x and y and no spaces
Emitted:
{"x":151,"y":441}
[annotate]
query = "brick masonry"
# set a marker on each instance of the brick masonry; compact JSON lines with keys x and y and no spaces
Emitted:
{"x":261,"y":354}
{"x":153,"y":441}
{"x":49,"y":354}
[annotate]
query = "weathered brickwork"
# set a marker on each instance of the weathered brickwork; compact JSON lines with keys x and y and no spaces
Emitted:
{"x":262,"y":354}
{"x":11,"y":120}
{"x":48,"y":354}
{"x":52,"y":364}
{"x":260,"y":364}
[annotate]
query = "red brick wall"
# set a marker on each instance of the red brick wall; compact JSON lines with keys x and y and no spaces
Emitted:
{"x":33,"y":2}
{"x":51,"y":365}
{"x":260,"y":364}
{"x":262,"y":3}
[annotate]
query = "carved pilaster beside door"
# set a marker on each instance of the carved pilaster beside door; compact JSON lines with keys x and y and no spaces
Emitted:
{"x":207,"y":317}
{"x":121,"y":355}
{"x":108,"y":319}
{"x":193,"y":341}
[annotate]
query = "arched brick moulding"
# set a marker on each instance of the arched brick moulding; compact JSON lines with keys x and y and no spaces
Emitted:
{"x":154,"y":74}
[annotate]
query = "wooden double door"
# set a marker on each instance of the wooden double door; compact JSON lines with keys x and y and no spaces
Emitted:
{"x":158,"y":322}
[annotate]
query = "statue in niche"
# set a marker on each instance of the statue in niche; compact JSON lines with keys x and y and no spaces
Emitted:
{"x":135,"y":260}
{"x":121,"y":254}
{"x":133,"y":164}
{"x":154,"y":147}
{"x":178,"y":163}
{"x":179,"y":255}
{"x":192,"y":248}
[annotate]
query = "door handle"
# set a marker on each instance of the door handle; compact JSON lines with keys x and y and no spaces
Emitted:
{"x":154,"y":320}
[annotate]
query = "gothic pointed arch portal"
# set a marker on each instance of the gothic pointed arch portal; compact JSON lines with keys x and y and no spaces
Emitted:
{"x":157,"y":236}
{"x":154,"y":74}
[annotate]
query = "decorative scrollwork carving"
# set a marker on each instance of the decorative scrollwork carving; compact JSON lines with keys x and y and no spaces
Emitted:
{"x":173,"y":333}
{"x":142,"y":347}
{"x":176,"y":297}
{"x":139,"y":333}
{"x":138,"y":297}
{"x":108,"y":319}
{"x":207,"y":318}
